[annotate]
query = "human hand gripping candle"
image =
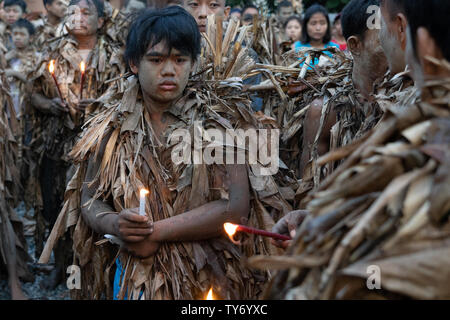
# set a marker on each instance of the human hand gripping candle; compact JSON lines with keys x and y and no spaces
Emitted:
{"x":231,"y":230}
{"x":142,"y":194}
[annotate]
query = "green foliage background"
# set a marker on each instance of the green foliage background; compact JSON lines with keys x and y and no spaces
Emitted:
{"x":331,"y":5}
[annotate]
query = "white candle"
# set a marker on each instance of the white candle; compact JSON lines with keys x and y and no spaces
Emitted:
{"x":142,"y":193}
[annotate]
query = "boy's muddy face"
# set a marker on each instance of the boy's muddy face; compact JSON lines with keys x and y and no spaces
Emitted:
{"x":201,"y":9}
{"x":20,"y":38}
{"x":12,"y":14}
{"x":373,"y":57}
{"x":285,"y":13}
{"x":389,"y":42}
{"x":82,"y":19}
{"x":57,"y":8}
{"x":163,"y":75}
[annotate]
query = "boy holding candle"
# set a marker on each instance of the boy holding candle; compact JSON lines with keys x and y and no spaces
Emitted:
{"x":58,"y":115}
{"x":178,"y":250}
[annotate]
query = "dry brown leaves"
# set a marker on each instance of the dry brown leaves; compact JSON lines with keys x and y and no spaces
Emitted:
{"x":134,"y":158}
{"x":386,"y":205}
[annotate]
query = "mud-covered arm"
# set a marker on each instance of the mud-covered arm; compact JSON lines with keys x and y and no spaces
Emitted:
{"x":128,"y":225}
{"x":207,"y":220}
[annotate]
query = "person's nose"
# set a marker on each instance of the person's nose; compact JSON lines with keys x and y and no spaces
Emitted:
{"x":203,"y":12}
{"x":168,"y":69}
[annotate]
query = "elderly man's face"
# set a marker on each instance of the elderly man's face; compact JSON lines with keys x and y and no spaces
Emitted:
{"x":83,"y":19}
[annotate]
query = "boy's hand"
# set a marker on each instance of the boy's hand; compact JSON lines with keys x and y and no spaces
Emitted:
{"x":287,"y":226}
{"x":132,"y":227}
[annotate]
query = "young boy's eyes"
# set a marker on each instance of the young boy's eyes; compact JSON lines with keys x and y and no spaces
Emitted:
{"x":155,"y":60}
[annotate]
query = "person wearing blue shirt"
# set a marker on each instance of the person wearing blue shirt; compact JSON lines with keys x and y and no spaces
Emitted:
{"x":316,"y":31}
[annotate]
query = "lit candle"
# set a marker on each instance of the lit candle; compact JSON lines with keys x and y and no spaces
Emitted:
{"x":142,"y":193}
{"x":231,"y":230}
{"x":51,"y":69}
{"x":210,"y":296}
{"x":82,"y":69}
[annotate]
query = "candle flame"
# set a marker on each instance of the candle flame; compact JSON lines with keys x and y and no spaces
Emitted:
{"x":82,"y":66}
{"x":51,"y":66}
{"x":230,"y":229}
{"x":143,"y":192}
{"x":210,"y":296}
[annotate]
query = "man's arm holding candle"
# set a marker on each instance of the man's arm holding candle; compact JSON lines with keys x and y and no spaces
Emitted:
{"x":54,"y":106}
{"x":128,"y":225}
{"x":204,"y":222}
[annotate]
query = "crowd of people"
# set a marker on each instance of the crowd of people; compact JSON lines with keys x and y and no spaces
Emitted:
{"x":93,"y":94}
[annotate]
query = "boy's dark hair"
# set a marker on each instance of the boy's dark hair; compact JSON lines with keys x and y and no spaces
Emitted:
{"x":235,"y":10}
{"x":297,"y":18}
{"x":99,"y":5}
{"x":316,"y":8}
{"x":22,"y":4}
{"x":354,"y":18}
{"x":173,"y":25}
{"x":432,"y":15}
{"x":249,"y":6}
{"x":24,"y":23}
{"x":48,"y":2}
{"x":284,"y":4}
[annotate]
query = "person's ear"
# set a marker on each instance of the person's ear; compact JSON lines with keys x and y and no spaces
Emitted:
{"x":226,"y":12}
{"x":100,"y":22}
{"x":401,"y":26}
{"x":133,"y":67}
{"x":354,"y":45}
{"x":427,"y":47}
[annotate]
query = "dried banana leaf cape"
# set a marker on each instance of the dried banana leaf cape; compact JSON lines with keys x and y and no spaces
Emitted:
{"x":28,"y":61}
{"x":134,"y":159}
{"x":47,"y":33}
{"x":11,"y":228}
{"x":385,"y":208}
{"x":116,"y":24}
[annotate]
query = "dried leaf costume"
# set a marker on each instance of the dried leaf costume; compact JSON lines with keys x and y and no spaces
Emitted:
{"x":332,"y":82}
{"x":386,"y":206}
{"x":11,"y":228}
{"x":54,"y":136}
{"x":134,"y":159}
{"x":47,"y":33}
